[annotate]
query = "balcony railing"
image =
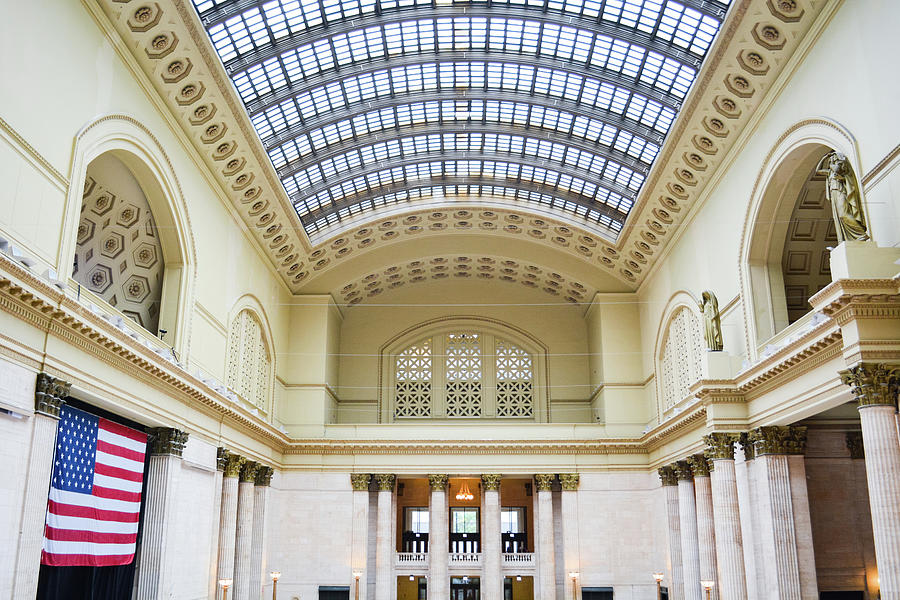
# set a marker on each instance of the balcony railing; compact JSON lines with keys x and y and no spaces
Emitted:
{"x":518,"y":559}
{"x":468,"y":559}
{"x":411,"y":559}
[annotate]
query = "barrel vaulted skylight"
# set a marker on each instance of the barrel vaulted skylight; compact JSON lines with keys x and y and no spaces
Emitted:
{"x":366,"y":104}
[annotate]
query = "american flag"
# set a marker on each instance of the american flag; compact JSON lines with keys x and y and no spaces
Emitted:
{"x":95,"y":493}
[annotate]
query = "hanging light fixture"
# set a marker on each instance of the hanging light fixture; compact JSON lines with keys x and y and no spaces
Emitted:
{"x":464,"y":493}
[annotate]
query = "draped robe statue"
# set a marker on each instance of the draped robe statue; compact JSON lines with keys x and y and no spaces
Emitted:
{"x":842,"y":191}
{"x":712,"y":326}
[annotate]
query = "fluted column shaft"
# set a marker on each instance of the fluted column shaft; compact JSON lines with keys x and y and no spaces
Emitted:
{"x":706,"y":534}
{"x":217,"y":522}
{"x":862,"y":511}
{"x":673,"y":533}
{"x":545,"y":540}
{"x":492,"y":576}
{"x":569,"y":509}
{"x":154,"y":572}
{"x":729,"y":547}
{"x":690,"y":546}
{"x":243,"y":539}
{"x":383,"y":527}
{"x":359,"y":550}
{"x":228,"y":517}
{"x":806,"y":557}
{"x":50,"y":395}
{"x":746,"y":510}
{"x":258,"y":541}
{"x":779,"y":541}
{"x":438,"y":540}
{"x":879,"y":429}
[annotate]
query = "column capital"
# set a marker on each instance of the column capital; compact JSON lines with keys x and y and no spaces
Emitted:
{"x":544,"y":481}
{"x":667,"y":475}
{"x":167,"y":440}
{"x":386,"y":481}
{"x":699,"y":465}
{"x":491,"y":481}
{"x":248,"y":471}
{"x":777,"y":439}
{"x":683,"y":470}
{"x":360,"y":481}
{"x":855,"y":444}
{"x":746,"y":445}
{"x":264,"y":476}
{"x":221,"y":458}
{"x":873,"y":384}
{"x":50,"y":394}
{"x":569,"y":481}
{"x":721,"y":445}
{"x":233,"y":464}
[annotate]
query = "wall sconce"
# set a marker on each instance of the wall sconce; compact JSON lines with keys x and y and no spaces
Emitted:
{"x":275,"y":575}
{"x":225,"y":583}
{"x":658,"y":577}
{"x":708,"y":586}
{"x":356,"y":576}
{"x":574,"y":576}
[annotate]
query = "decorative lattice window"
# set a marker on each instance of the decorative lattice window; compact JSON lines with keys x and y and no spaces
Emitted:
{"x":463,"y":374}
{"x":413,"y":381}
{"x":680,"y":365}
{"x":249,"y":360}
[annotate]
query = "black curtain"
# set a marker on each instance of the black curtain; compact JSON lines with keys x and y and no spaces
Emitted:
{"x":94,"y":583}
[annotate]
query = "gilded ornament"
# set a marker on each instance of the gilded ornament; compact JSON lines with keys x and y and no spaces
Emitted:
{"x":50,"y":394}
{"x":712,"y":326}
{"x":360,"y":481}
{"x":438,"y":483}
{"x":544,"y":482}
{"x":842,"y":190}
{"x":699,"y":465}
{"x":873,"y":384}
{"x":667,"y":475}
{"x":855,"y":444}
{"x":683,"y":470}
{"x":264,"y":475}
{"x":491,"y":482}
{"x":221,"y":458}
{"x":746,"y":445}
{"x":721,"y":445}
{"x":248,"y":471}
{"x":167,"y":440}
{"x":776,"y":439}
{"x":569,"y":481}
{"x":233,"y":465}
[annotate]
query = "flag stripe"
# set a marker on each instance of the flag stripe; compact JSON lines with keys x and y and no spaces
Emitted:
{"x":119,"y":462}
{"x":66,"y":522}
{"x":102,"y":469}
{"x":121,"y":441}
{"x":74,"y":535}
{"x":122,"y":430}
{"x":58,"y":547}
{"x":120,"y":451}
{"x":114,"y":494}
{"x":92,"y":502}
{"x":86,"y":512}
{"x":84,"y":560}
{"x":113,"y":483}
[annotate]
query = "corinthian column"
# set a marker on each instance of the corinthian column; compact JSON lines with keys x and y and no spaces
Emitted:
{"x":359,"y":550}
{"x":546,"y":554}
{"x":777,"y":524}
{"x":228,"y":516}
{"x":49,"y":396}
{"x":258,"y":539}
{"x":746,"y":490}
{"x":727,"y":518}
{"x":154,"y":573}
{"x":492,"y":576}
{"x":244,"y":532}
{"x":569,"y":509}
{"x":438,"y":540}
{"x":690,"y":546}
{"x":706,"y":534}
{"x":875,"y":388}
{"x":673,"y":532}
{"x":221,"y":459}
{"x":384,"y":524}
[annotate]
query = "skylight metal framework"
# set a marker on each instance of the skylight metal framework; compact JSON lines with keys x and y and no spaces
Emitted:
{"x":362,"y":104}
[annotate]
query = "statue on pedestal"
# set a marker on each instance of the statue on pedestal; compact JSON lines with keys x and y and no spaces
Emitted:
{"x":712,"y":326}
{"x":842,"y":190}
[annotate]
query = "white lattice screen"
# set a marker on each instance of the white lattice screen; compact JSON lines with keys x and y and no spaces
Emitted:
{"x":450,"y":375}
{"x":249,"y":363}
{"x":680,"y":366}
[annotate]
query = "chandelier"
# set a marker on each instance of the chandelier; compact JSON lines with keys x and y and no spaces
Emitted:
{"x":464,"y":493}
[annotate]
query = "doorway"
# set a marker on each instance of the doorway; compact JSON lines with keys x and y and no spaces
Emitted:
{"x":465,"y":588}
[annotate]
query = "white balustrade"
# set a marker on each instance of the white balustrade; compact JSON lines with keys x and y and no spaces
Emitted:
{"x":469,"y":559}
{"x":518,"y":559}
{"x":411,"y":559}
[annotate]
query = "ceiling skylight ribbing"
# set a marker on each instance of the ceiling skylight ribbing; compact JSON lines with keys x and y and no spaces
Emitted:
{"x":361,"y":104}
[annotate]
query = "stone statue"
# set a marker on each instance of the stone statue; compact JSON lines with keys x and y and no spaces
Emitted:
{"x":842,"y":190}
{"x":712,"y":326}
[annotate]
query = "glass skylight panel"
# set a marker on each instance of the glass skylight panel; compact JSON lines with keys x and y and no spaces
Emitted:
{"x":574,"y":96}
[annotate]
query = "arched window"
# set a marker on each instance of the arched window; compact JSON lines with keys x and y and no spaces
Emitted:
{"x":680,"y":364}
{"x":249,"y":360}
{"x":463,"y":374}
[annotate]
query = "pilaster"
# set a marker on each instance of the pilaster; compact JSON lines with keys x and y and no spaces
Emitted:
{"x":221,"y":459}
{"x":258,"y":544}
{"x":492,"y":576}
{"x":438,"y":540}
{"x":546,"y":554}
{"x":384,"y":524}
{"x":569,"y":513}
{"x":244,"y":531}
{"x":359,"y":558}
{"x":673,"y":532}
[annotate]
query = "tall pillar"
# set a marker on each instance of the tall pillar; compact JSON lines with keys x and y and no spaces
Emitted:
{"x":492,"y":574}
{"x":569,"y":509}
{"x":49,"y":396}
{"x":806,"y":556}
{"x":862,"y":511}
{"x":228,"y":517}
{"x":258,"y":539}
{"x":727,"y":518}
{"x":777,"y":524}
{"x":221,"y":459}
{"x":673,"y":532}
{"x":706,"y":533}
{"x":359,"y":550}
{"x":875,"y":388}
{"x":545,"y":542}
{"x":154,"y":572}
{"x":747,"y":508}
{"x":384,"y":524}
{"x":438,"y":540}
{"x":243,"y":538}
{"x":690,"y":545}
